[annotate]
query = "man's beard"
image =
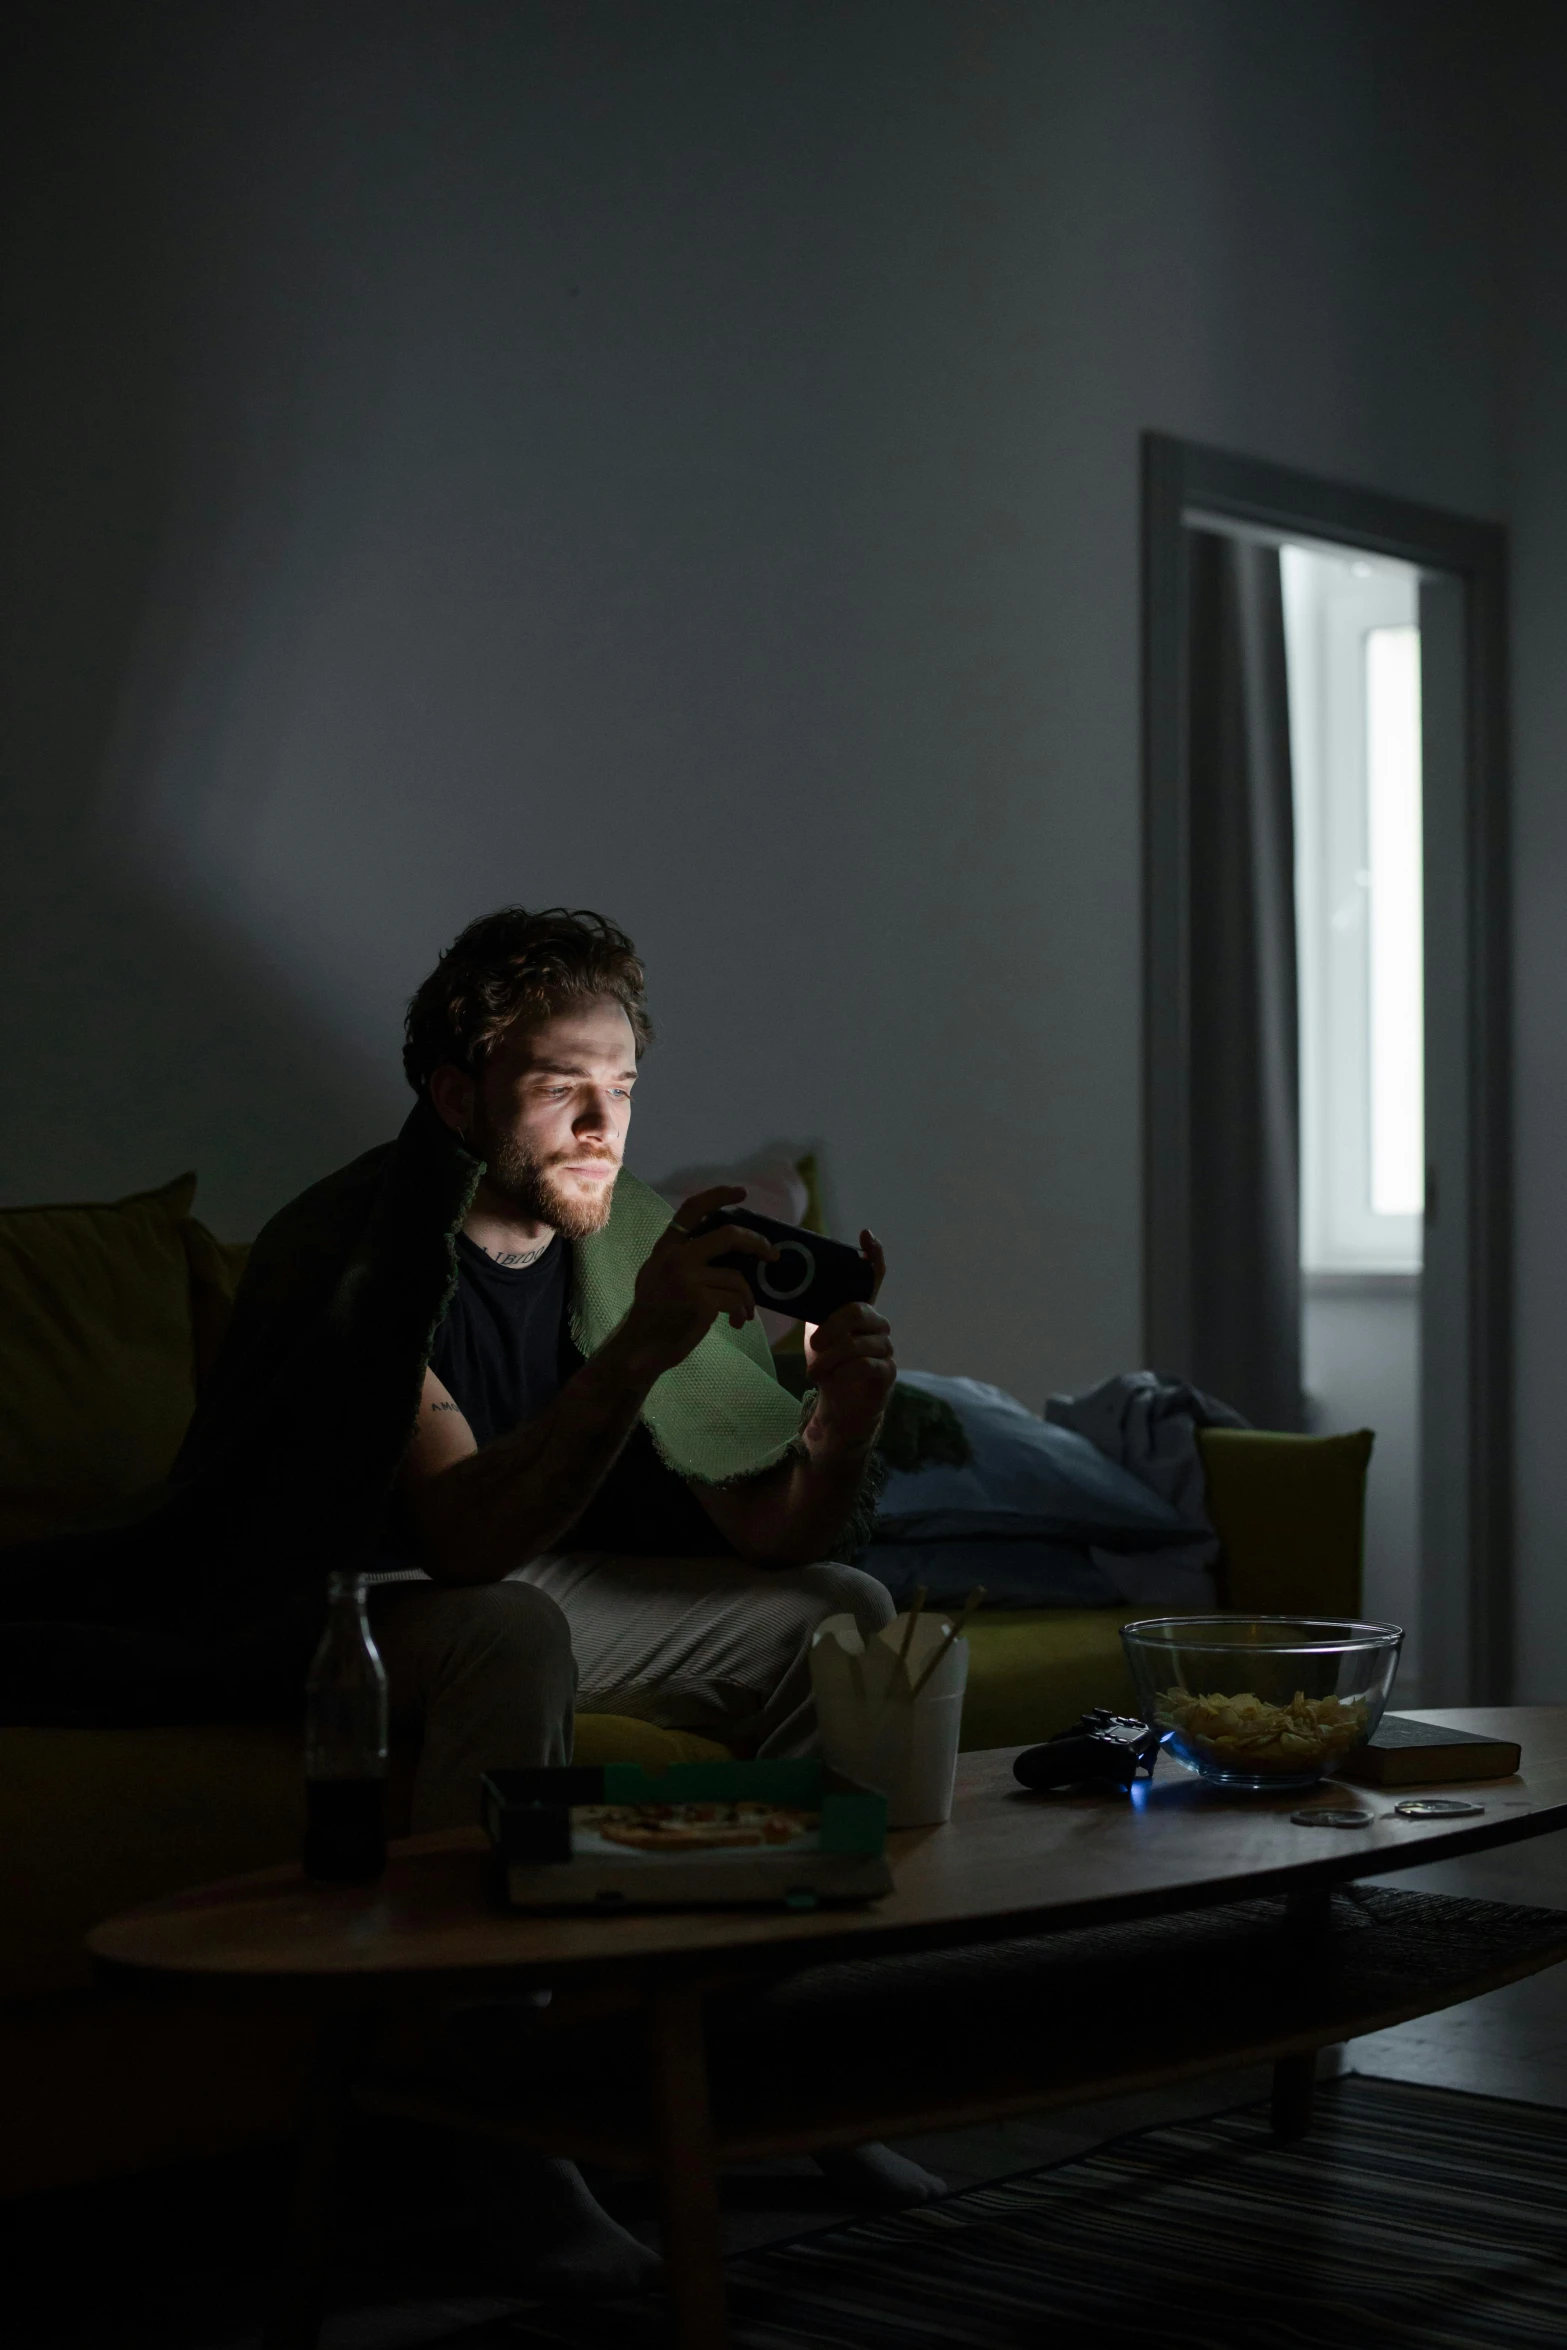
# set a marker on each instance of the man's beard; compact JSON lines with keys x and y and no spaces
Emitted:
{"x":531,"y":1187}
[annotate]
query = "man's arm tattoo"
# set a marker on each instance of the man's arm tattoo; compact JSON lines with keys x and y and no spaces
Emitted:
{"x":445,"y":1407}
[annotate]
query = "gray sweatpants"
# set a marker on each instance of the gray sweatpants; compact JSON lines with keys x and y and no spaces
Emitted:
{"x":488,"y":1675}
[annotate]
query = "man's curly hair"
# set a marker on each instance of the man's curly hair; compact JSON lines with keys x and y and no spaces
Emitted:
{"x":513,"y":965}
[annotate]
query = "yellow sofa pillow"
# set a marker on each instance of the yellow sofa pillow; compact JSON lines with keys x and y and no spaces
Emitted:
{"x":96,"y":1376}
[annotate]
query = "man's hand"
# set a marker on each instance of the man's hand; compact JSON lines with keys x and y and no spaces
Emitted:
{"x":799,"y":1510}
{"x":850,"y":1363}
{"x":680,"y":1292}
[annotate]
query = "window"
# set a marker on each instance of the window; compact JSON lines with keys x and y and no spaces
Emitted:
{"x":1353,"y":638}
{"x":1397,"y":975}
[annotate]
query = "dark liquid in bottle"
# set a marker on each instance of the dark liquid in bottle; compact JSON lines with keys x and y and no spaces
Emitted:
{"x":345,"y":1830}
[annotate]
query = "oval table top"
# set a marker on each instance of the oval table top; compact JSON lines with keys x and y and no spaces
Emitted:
{"x":1008,"y":1862}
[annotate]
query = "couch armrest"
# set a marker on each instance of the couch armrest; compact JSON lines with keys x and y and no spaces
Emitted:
{"x":1289,"y":1512}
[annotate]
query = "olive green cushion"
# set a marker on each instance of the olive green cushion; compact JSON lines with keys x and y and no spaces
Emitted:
{"x":1290,"y":1515}
{"x":1033,"y":1670}
{"x":96,"y":1371}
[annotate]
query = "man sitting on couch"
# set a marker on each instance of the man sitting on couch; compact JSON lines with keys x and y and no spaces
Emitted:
{"x":539,"y":1491}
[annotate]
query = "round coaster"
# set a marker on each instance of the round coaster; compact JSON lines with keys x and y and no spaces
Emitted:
{"x":1435,"y":1807}
{"x":1332,"y":1815}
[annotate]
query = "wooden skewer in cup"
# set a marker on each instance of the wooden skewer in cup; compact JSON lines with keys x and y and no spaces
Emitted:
{"x":904,"y":1645}
{"x":909,"y":1622}
{"x":954,"y":1634}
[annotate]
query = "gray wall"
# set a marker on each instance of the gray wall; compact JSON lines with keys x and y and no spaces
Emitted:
{"x":1537,"y":503}
{"x":682,"y":460}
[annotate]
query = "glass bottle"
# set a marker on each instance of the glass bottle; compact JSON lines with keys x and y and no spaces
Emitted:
{"x":345,"y":1744}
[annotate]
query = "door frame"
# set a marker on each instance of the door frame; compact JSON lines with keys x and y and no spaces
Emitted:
{"x":1184,"y":482}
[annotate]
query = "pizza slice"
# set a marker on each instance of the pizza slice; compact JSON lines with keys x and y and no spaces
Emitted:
{"x":695,"y":1827}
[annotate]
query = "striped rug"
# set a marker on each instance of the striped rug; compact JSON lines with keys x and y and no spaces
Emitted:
{"x":1409,"y":2216}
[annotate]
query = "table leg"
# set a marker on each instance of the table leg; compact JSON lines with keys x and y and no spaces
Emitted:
{"x":1308,"y":1912}
{"x":1294,"y":2089}
{"x":687,"y":2172}
{"x":299,"y":2288}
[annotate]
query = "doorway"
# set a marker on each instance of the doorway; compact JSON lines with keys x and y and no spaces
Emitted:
{"x":1325,"y":1006}
{"x":1352,"y":652}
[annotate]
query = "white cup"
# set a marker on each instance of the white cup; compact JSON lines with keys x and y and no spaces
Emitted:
{"x":875,"y":1730}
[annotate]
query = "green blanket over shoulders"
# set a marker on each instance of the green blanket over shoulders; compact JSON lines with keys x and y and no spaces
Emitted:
{"x":721,"y":1413}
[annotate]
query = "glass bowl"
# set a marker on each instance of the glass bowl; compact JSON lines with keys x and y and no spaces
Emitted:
{"x":1263,"y":1703}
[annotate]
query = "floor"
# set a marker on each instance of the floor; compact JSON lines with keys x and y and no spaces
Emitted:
{"x":1514,"y":2043}
{"x":177,"y":2261}
{"x":1511,"y":2044}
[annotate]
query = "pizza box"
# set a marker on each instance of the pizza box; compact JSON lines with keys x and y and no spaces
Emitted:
{"x":551,"y":1856}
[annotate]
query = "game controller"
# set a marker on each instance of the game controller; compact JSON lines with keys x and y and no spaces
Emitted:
{"x":1101,"y":1749}
{"x":809,"y":1278}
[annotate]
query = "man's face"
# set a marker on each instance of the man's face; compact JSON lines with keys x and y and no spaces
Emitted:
{"x":548,"y":1115}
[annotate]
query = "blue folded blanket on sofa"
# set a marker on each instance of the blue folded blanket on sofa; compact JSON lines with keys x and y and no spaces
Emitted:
{"x":1036,"y":1513}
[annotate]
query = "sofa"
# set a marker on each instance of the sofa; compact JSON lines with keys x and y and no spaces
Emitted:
{"x":110,"y":1316}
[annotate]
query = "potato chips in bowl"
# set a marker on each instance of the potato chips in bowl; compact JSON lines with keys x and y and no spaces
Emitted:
{"x":1261,"y":1703}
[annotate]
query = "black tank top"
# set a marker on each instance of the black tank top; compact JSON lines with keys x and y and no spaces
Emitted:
{"x":498,"y":1351}
{"x":503,"y":1353}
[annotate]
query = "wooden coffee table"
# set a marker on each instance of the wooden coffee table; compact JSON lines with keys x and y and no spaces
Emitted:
{"x":1037,"y":1951}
